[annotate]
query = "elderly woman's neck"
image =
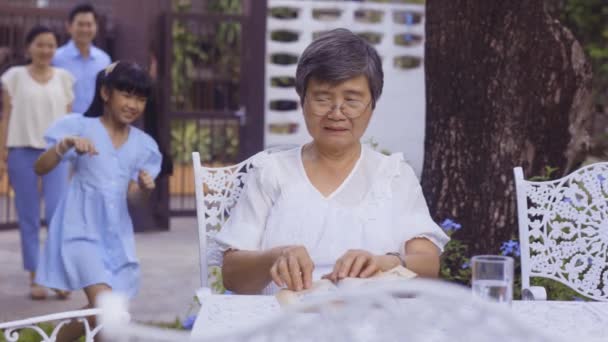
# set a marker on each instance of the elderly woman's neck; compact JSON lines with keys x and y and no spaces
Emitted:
{"x":333,"y":155}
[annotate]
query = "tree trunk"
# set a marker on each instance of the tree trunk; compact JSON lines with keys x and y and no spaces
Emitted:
{"x":507,"y":85}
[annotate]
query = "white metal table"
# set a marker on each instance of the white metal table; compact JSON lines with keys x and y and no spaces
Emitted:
{"x":580,"y":321}
{"x":574,"y":321}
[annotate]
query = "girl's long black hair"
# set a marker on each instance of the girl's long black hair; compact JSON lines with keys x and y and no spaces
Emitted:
{"x":122,"y":76}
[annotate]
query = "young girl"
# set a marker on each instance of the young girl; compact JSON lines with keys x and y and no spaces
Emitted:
{"x":92,"y":245}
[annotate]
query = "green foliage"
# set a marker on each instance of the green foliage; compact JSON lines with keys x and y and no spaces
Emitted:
{"x":225,"y":6}
{"x":455,"y":263}
{"x":227,"y":42}
{"x":455,"y":260}
{"x":29,"y":335}
{"x":588,"y":20}
{"x":195,"y":54}
{"x":186,"y":50}
{"x":189,"y":58}
{"x":188,"y":136}
{"x":556,"y":290}
{"x":217,"y":282}
{"x":548,"y":173}
{"x":175,"y":325}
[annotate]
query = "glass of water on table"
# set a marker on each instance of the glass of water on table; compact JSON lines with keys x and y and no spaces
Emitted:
{"x":493,"y":278}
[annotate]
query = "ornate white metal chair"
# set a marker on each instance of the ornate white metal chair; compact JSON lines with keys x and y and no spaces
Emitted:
{"x":416,"y":310}
{"x":12,"y":330}
{"x":563,"y":231}
{"x":217,"y":192}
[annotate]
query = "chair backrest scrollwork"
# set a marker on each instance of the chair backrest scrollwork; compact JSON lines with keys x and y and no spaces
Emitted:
{"x":563,"y":229}
{"x":218,"y":189}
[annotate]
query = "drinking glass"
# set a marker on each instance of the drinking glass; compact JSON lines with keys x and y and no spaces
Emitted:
{"x":493,"y":278}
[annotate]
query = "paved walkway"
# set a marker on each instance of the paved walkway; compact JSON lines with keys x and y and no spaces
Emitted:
{"x":170,"y":275}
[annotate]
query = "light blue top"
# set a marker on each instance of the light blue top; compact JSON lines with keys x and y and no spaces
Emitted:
{"x":84,"y":70}
{"x":90,"y":237}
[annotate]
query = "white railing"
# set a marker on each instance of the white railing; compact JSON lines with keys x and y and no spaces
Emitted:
{"x":12,"y":330}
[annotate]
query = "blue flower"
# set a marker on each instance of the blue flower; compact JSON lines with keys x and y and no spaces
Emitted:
{"x":188,"y":323}
{"x":465,"y":265}
{"x":566,"y":200}
{"x":510,"y":247}
{"x":577,"y":299}
{"x":589,"y":261}
{"x":450,"y":226}
{"x":601,"y":178}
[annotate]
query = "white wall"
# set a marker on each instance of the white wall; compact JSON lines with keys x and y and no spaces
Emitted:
{"x":398,"y":121}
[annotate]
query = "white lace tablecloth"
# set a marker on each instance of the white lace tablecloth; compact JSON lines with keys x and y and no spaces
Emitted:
{"x":569,"y":321}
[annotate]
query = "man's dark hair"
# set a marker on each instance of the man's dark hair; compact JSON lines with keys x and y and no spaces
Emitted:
{"x":81,"y":8}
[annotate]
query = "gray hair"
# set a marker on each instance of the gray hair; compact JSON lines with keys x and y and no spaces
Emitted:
{"x":337,"y":56}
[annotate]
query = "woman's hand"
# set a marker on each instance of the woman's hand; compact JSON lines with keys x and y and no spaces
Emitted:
{"x":145,"y":181}
{"x":357,"y":263}
{"x":81,"y":145}
{"x":53,"y":156}
{"x":293,"y":268}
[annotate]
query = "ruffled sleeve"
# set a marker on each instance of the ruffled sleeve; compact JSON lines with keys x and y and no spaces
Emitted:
{"x":150,"y":159}
{"x":9,"y":81}
{"x":69,"y":125}
{"x":244,"y":228}
{"x":410,"y":206}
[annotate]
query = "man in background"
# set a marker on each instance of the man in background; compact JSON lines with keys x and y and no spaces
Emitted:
{"x":80,"y":57}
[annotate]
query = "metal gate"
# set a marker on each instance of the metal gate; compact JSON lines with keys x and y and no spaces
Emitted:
{"x":212,"y":91}
{"x":15,"y":22}
{"x":210,"y":62}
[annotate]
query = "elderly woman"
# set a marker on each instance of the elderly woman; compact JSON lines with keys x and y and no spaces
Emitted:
{"x":331,"y":208}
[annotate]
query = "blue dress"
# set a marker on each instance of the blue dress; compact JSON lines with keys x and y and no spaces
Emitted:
{"x":90,"y":238}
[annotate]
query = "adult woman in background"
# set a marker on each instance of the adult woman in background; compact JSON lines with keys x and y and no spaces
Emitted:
{"x":332,"y":208}
{"x":33,"y":96}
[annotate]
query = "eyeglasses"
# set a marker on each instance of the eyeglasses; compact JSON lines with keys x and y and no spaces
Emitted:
{"x":350,"y":108}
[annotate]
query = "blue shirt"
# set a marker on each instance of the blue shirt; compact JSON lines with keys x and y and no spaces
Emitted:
{"x":84,"y":70}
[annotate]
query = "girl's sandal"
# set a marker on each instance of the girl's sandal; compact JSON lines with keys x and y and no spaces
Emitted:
{"x":38,"y":292}
{"x":61,"y":294}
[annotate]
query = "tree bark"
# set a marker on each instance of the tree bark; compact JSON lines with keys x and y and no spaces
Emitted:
{"x":507,"y":85}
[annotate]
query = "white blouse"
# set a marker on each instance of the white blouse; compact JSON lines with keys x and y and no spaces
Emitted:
{"x":377,"y":208}
{"x":35,"y":106}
